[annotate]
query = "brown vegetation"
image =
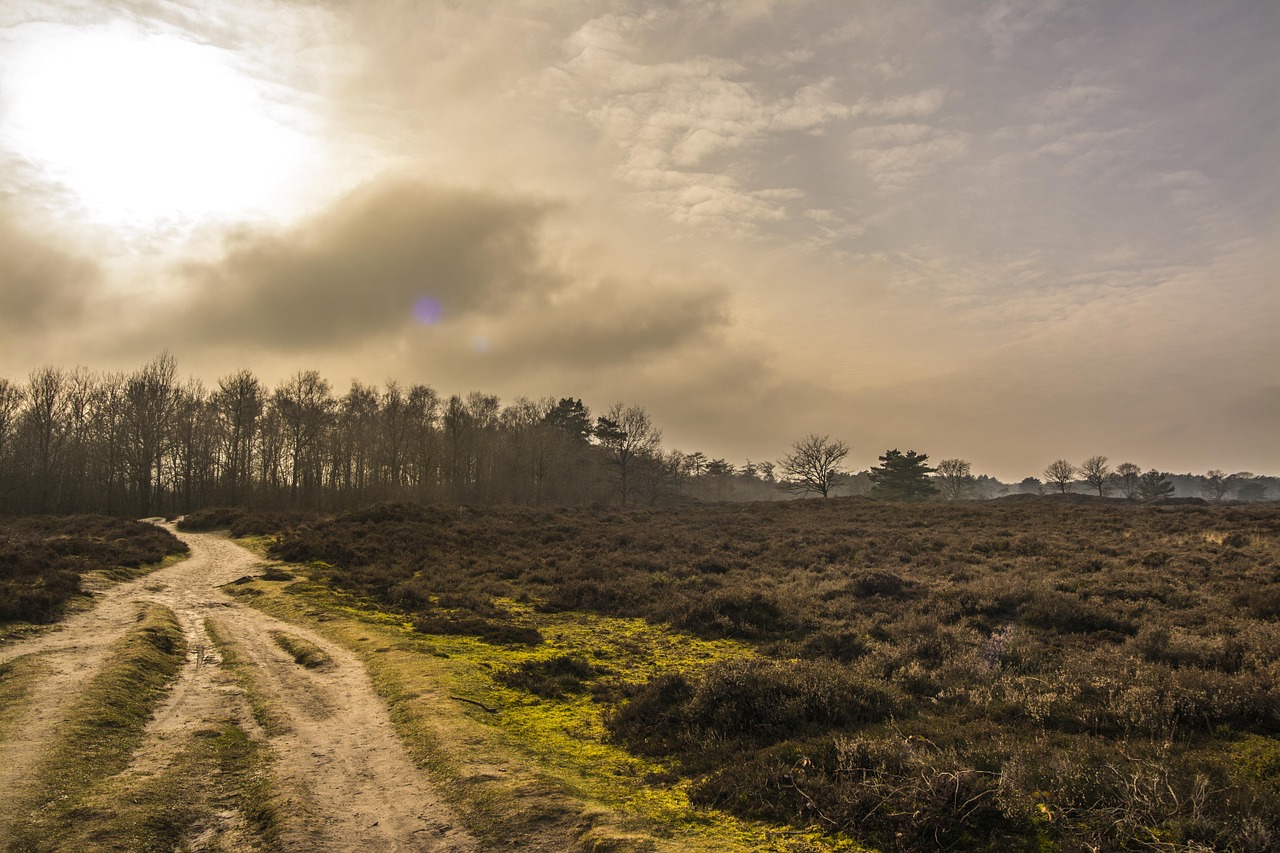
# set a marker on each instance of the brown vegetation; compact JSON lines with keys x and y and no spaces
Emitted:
{"x":42,"y":559}
{"x":960,"y":676}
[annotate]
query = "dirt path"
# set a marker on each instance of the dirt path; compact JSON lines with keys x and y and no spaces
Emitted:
{"x":347,"y":780}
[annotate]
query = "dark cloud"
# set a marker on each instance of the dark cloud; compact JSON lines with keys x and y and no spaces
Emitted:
{"x":613,"y":322}
{"x":42,"y":285}
{"x":440,"y":271}
{"x":358,"y":269}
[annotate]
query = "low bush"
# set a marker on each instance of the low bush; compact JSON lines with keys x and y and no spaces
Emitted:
{"x":42,"y":559}
{"x":552,"y":678}
{"x":490,"y":630}
{"x":898,"y":792}
{"x":744,"y":703}
{"x":1068,"y":613}
{"x":245,"y":522}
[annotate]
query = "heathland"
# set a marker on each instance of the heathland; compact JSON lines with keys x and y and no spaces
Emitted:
{"x":1016,"y":674}
{"x":1028,"y":673}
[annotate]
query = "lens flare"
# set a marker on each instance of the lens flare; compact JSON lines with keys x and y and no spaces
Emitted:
{"x":427,"y":311}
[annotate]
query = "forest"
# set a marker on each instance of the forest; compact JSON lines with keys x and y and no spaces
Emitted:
{"x":149,"y":443}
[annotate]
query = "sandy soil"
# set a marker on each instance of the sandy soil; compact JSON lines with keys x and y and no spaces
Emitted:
{"x":347,"y":780}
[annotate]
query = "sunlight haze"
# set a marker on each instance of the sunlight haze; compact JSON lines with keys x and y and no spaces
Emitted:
{"x":1008,"y":232}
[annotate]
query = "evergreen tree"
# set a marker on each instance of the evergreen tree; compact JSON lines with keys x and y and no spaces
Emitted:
{"x":903,"y":477}
{"x":1154,"y":485}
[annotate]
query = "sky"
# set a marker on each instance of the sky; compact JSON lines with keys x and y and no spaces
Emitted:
{"x":1008,"y":232}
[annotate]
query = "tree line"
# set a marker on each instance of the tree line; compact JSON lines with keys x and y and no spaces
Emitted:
{"x":1128,"y":480}
{"x":149,"y":443}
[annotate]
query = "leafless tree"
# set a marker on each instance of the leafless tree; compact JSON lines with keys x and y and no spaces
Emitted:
{"x":660,"y":474}
{"x":424,"y":440}
{"x":629,"y":437}
{"x":11,"y":397}
{"x":150,"y":398}
{"x":955,"y":479}
{"x":395,"y":428}
{"x":45,"y":431}
{"x":1060,"y":472}
{"x":1215,"y":485}
{"x":237,"y":407}
{"x":813,"y":465}
{"x":1097,"y":473}
{"x":1128,"y":477}
{"x":304,"y":406}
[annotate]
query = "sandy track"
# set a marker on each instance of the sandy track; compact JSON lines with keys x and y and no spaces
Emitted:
{"x":346,"y":777}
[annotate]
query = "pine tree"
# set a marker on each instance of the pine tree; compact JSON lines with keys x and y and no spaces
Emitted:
{"x":1154,"y":485}
{"x":903,"y":477}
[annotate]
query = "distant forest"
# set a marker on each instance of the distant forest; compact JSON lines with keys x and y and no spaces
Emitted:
{"x":148,"y":443}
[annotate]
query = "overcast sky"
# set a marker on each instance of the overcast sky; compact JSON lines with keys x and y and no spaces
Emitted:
{"x":1007,"y":232}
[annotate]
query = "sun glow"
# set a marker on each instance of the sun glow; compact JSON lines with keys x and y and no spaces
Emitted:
{"x":148,"y":130}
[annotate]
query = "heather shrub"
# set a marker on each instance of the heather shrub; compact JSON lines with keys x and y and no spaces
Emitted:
{"x":748,"y":702}
{"x":42,"y":559}
{"x":1068,"y":613}
{"x":552,"y":678}
{"x":897,"y":792}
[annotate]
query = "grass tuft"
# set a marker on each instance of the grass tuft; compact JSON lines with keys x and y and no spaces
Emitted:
{"x":104,"y":727}
{"x":303,"y":653}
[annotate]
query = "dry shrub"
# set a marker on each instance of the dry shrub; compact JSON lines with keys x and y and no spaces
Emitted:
{"x":43,"y":557}
{"x":900,"y":793}
{"x":748,"y":702}
{"x":552,"y":678}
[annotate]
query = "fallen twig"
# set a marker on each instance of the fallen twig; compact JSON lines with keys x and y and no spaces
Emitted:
{"x":474,"y":702}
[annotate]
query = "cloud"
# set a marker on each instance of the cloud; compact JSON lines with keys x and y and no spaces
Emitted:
{"x":356,"y":276}
{"x":612,"y":322}
{"x":1009,"y":22}
{"x":43,"y":286}
{"x":895,"y":155}
{"x":358,"y":269}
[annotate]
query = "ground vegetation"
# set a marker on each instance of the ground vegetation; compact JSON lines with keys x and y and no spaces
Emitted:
{"x":1026,"y":673}
{"x":43,"y":559}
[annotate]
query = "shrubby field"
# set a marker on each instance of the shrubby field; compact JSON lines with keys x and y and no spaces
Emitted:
{"x":43,"y":557}
{"x":1026,"y":673}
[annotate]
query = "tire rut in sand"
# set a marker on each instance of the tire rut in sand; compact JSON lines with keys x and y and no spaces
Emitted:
{"x":346,"y":778}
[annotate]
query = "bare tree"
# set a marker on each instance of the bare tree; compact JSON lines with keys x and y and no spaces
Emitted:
{"x":1215,"y":485}
{"x":1060,"y":472}
{"x":629,"y":436}
{"x":395,"y":425}
{"x":45,"y":430}
{"x":955,"y":479}
{"x":660,"y":474}
{"x":1097,"y":473}
{"x":150,"y":398}
{"x":813,"y":465}
{"x":10,"y":403}
{"x":237,"y":406}
{"x":304,"y":406}
{"x":1127,"y":478}
{"x":424,"y":440}
{"x":11,"y":397}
